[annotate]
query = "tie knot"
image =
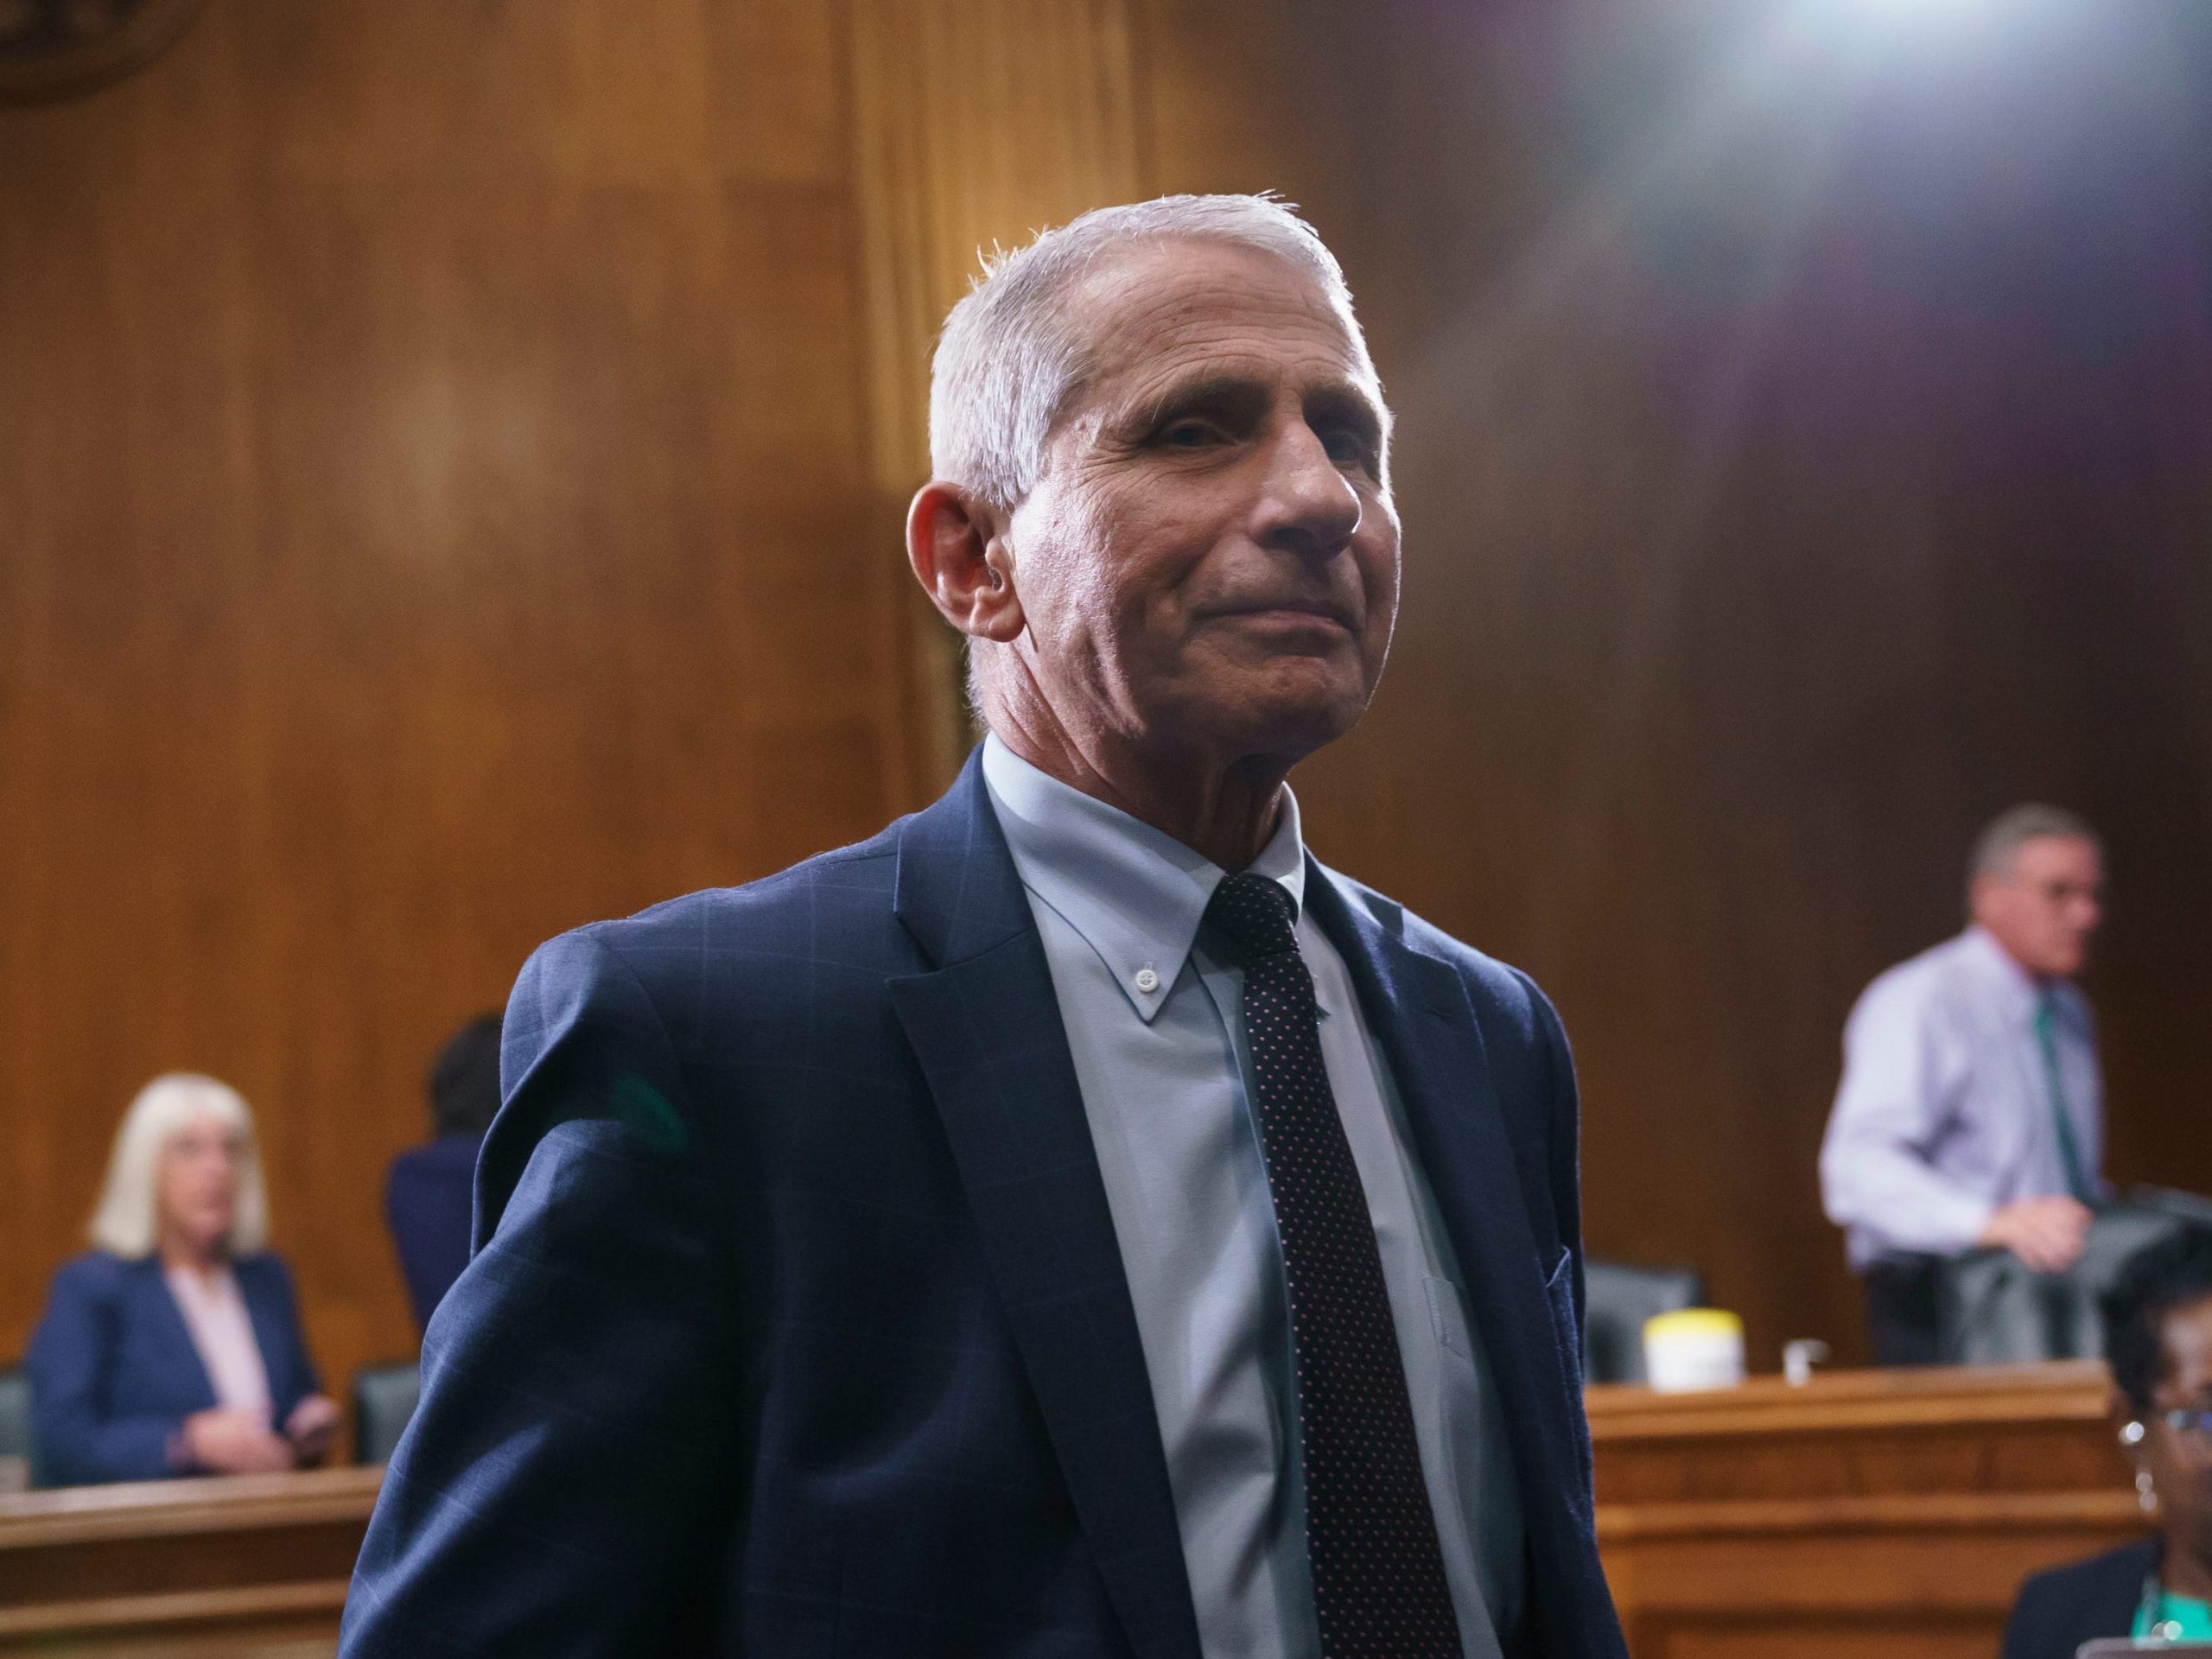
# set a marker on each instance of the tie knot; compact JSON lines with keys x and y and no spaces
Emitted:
{"x":1254,"y":916}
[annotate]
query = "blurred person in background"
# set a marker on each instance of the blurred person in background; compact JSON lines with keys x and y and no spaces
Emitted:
{"x":2158,"y":1338}
{"x":428,"y":1196}
{"x":1971,"y":1110}
{"x":173,"y":1346}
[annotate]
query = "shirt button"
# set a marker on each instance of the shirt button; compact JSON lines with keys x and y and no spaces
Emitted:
{"x":1147,"y":981}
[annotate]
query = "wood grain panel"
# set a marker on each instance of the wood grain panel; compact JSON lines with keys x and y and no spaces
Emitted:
{"x":123,"y":424}
{"x":451,"y":472}
{"x":1048,"y":126}
{"x":973,"y":127}
{"x":432,"y":472}
{"x":1866,"y":1508}
{"x":1871,"y":1436}
{"x":248,"y":1568}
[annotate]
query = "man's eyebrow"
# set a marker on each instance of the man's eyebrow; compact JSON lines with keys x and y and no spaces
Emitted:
{"x":1240,"y":394}
{"x":1347,"y":401}
{"x":1245,"y":395}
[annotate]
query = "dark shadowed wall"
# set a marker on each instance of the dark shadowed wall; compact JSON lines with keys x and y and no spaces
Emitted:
{"x":451,"y":457}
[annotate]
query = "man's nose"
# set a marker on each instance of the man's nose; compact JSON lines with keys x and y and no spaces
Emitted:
{"x":1308,"y":506}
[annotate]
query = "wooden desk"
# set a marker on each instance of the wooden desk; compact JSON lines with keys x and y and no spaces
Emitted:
{"x":1870,"y":1515}
{"x":252,"y":1566}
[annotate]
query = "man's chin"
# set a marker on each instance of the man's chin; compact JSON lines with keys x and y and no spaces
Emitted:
{"x":2063,"y":965}
{"x":1295,"y":726}
{"x":1288,"y":707}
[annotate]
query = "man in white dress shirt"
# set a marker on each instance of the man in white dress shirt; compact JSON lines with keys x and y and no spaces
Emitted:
{"x":1970,"y":1112}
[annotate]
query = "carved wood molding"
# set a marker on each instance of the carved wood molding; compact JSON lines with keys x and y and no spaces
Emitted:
{"x":973,"y":125}
{"x":1851,"y":1515}
{"x":2068,"y":1391}
{"x":223,"y":1504}
{"x":74,"y":1624}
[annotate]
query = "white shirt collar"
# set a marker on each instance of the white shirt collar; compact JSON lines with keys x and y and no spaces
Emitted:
{"x":2021,"y":990}
{"x":1135,"y":894}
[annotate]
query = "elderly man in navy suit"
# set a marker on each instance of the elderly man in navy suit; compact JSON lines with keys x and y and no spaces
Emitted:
{"x":1075,"y":1222}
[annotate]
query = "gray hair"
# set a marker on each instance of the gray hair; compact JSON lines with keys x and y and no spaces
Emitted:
{"x":1010,"y":359}
{"x":127,"y":1222}
{"x":1999,"y":843}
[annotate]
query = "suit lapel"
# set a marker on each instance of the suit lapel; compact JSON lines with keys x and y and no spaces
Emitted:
{"x":176,"y":1335}
{"x":985,"y":1026}
{"x":259,"y":1291}
{"x":1418,"y":1007}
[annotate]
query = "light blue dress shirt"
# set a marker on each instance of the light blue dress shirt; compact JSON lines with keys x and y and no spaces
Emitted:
{"x":1945,"y":1111}
{"x":1154,"y":1023}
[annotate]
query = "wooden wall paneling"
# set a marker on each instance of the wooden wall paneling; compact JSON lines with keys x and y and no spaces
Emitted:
{"x":436,"y":514}
{"x":1875,"y":1435}
{"x":975,"y":126}
{"x":125,"y":512}
{"x":972,"y":127}
{"x":512,"y":416}
{"x":1869,"y":1512}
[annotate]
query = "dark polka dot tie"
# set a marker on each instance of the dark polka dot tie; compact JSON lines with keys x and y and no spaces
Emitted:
{"x":1378,"y":1572}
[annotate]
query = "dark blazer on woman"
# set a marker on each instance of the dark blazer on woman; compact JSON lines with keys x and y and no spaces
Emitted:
{"x":2060,"y":1610}
{"x":428,"y":1198}
{"x":114,"y":1373}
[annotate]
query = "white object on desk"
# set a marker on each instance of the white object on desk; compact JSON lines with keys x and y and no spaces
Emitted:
{"x":1693,"y":1348}
{"x":1799,"y":1357}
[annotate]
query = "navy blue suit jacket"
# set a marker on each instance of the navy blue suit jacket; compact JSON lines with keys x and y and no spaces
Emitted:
{"x":2060,"y":1610}
{"x":797,"y":1323}
{"x":428,"y":1197}
{"x":114,"y":1373}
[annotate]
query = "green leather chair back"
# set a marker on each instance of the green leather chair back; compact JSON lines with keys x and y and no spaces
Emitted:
{"x":384,"y":1399}
{"x":15,"y":1428}
{"x":1618,"y":1298}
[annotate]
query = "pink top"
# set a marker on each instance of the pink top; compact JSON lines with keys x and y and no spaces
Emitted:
{"x":214,"y":1312}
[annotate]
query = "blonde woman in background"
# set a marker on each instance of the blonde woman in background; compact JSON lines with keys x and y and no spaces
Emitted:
{"x":174,"y":1347}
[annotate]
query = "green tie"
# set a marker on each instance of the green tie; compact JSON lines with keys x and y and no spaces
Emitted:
{"x":2068,"y":1152}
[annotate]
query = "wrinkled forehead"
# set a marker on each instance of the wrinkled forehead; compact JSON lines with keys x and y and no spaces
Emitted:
{"x":1163,"y":311}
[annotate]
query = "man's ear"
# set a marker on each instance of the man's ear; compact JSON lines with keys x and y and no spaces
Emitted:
{"x":956,"y":543}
